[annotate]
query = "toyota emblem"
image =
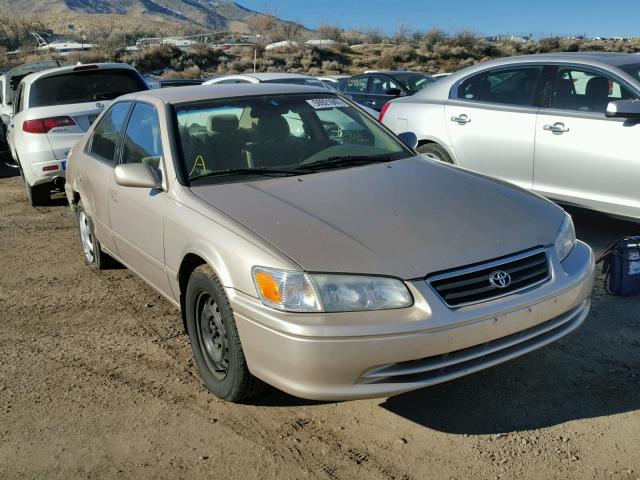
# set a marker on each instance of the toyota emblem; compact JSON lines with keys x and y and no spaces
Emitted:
{"x":500,"y":279}
{"x":99,"y":105}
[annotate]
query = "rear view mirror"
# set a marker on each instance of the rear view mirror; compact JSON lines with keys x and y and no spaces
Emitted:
{"x":409,"y":139}
{"x":396,"y":92}
{"x":137,"y":175}
{"x":623,"y":109}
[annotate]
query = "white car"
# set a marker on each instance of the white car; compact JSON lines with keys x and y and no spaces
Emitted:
{"x":52,"y":110}
{"x":566,"y":126}
{"x":271,"y":77}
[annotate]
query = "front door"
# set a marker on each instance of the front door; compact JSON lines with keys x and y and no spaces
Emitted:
{"x":582,"y":157}
{"x":491,"y":122}
{"x":137,"y":214}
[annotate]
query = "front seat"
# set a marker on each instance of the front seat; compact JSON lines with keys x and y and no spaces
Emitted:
{"x":270,"y":147}
{"x":597,"y":94}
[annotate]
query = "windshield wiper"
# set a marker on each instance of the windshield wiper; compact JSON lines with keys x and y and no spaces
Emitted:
{"x":346,"y":161}
{"x":267,"y":172}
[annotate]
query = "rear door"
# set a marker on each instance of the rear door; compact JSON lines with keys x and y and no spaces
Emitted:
{"x":491,"y":121}
{"x":379,"y":87}
{"x":94,"y":170}
{"x":581,"y":156}
{"x":72,"y":100}
{"x":357,"y":88}
{"x":137,"y":214}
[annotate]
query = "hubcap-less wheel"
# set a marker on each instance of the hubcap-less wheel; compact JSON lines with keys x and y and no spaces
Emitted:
{"x":212,"y":336}
{"x":87,"y":237}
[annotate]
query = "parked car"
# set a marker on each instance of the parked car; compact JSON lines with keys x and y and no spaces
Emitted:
{"x":287,"y":78}
{"x":52,"y":111}
{"x":180,"y":82}
{"x":563,"y":125}
{"x":9,"y":81}
{"x":332,"y":79}
{"x":332,"y":261}
{"x":374,"y":89}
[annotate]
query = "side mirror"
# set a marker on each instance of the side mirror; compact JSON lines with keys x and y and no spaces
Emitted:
{"x":396,"y":92}
{"x":137,"y":175}
{"x":409,"y":139}
{"x":623,"y":109}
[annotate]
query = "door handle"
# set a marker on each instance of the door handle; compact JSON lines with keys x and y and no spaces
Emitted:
{"x":557,"y":128}
{"x":461,"y":119}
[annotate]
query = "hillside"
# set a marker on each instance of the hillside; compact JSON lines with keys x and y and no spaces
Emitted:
{"x":204,"y":13}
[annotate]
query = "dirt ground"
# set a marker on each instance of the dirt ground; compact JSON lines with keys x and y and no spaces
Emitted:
{"x":96,"y":381}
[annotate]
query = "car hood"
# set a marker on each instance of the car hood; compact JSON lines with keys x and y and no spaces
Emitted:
{"x":407,"y":218}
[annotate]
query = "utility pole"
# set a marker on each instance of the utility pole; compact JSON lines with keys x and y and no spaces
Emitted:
{"x":255,"y":59}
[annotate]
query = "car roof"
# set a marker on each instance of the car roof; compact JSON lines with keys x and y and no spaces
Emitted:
{"x":70,"y":68}
{"x":174,"y":95}
{"x":391,"y":73}
{"x":265,"y":76}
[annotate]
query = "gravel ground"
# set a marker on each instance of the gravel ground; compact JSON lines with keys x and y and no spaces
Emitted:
{"x":96,"y":381}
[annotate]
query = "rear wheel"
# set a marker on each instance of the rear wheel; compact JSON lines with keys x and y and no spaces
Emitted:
{"x":215,"y":341}
{"x":38,"y":195}
{"x":435,"y":152}
{"x":93,"y":254}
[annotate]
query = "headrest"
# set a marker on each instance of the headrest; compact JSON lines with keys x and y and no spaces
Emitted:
{"x":273,"y":128}
{"x":222,"y":123}
{"x":598,"y":87}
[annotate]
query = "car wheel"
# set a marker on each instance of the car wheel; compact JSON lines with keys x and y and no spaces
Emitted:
{"x":435,"y":152}
{"x":38,"y":195}
{"x":215,"y":341}
{"x":93,"y":254}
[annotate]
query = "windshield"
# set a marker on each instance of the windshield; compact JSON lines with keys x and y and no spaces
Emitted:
{"x":632,"y":69}
{"x":84,"y":86}
{"x":297,"y":132}
{"x":414,"y":82}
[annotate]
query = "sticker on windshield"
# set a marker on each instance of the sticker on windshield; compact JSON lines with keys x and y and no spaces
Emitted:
{"x":320,"y":103}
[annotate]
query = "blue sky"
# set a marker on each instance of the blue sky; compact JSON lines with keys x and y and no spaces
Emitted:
{"x":540,"y":17}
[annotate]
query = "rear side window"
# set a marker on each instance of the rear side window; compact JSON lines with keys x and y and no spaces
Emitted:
{"x":108,"y":130}
{"x":142,"y":143}
{"x":356,"y":85}
{"x":515,"y":86}
{"x":84,"y":86}
{"x":382,"y":85}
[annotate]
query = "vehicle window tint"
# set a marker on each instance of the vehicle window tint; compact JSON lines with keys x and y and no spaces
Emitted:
{"x":381,"y":85}
{"x":230,"y":82}
{"x":84,"y":86}
{"x":414,"y":82}
{"x":107,"y":131}
{"x":356,"y":85}
{"x":514,"y":86}
{"x":19,"y":95}
{"x":142,"y":143}
{"x":586,"y":91}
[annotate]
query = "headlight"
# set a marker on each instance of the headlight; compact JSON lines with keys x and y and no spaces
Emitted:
{"x":566,"y":239}
{"x":303,"y":292}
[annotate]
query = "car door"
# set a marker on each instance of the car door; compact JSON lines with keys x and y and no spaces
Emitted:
{"x":581,"y":156}
{"x":16,"y":118}
{"x":357,"y":88}
{"x":379,"y":88}
{"x":95,"y":171}
{"x":491,"y":120}
{"x":137,"y":214}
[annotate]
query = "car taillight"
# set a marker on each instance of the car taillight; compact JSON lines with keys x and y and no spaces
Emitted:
{"x":43,"y":125}
{"x":385,"y":107}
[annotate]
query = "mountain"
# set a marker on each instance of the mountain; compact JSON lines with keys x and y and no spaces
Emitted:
{"x":205,"y":13}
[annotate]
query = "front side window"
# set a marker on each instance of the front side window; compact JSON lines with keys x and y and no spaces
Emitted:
{"x":108,"y":130}
{"x":142,"y":142}
{"x":414,"y":82}
{"x":279,"y":133}
{"x":356,"y":85}
{"x":586,"y":91}
{"x":513,"y":86}
{"x":382,"y":85}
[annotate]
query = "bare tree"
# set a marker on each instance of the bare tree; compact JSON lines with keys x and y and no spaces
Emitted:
{"x":291,"y":30}
{"x":402,"y":33}
{"x":330,"y":32}
{"x":262,"y":24}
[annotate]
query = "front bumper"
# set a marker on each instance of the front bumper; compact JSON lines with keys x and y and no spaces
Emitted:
{"x":372,"y":354}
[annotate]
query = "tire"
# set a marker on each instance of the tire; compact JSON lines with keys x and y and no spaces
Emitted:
{"x":215,"y":342}
{"x":38,"y":195}
{"x":94,"y":257}
{"x":435,"y":151}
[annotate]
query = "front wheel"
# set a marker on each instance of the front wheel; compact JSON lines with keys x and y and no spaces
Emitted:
{"x":435,"y":152}
{"x":215,"y":341}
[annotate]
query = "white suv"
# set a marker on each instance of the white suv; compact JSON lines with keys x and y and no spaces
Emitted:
{"x":51,"y":113}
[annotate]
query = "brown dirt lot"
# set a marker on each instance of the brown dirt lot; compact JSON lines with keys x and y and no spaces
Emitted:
{"x":96,"y":381}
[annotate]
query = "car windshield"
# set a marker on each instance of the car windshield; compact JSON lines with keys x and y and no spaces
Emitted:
{"x":84,"y":86}
{"x":414,"y":82}
{"x":295,"y":133}
{"x":632,"y":69}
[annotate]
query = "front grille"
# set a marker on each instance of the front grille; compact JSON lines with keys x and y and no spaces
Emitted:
{"x":473,"y":285}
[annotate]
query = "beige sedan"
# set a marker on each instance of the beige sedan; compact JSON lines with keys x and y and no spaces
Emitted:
{"x":309,"y":248}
